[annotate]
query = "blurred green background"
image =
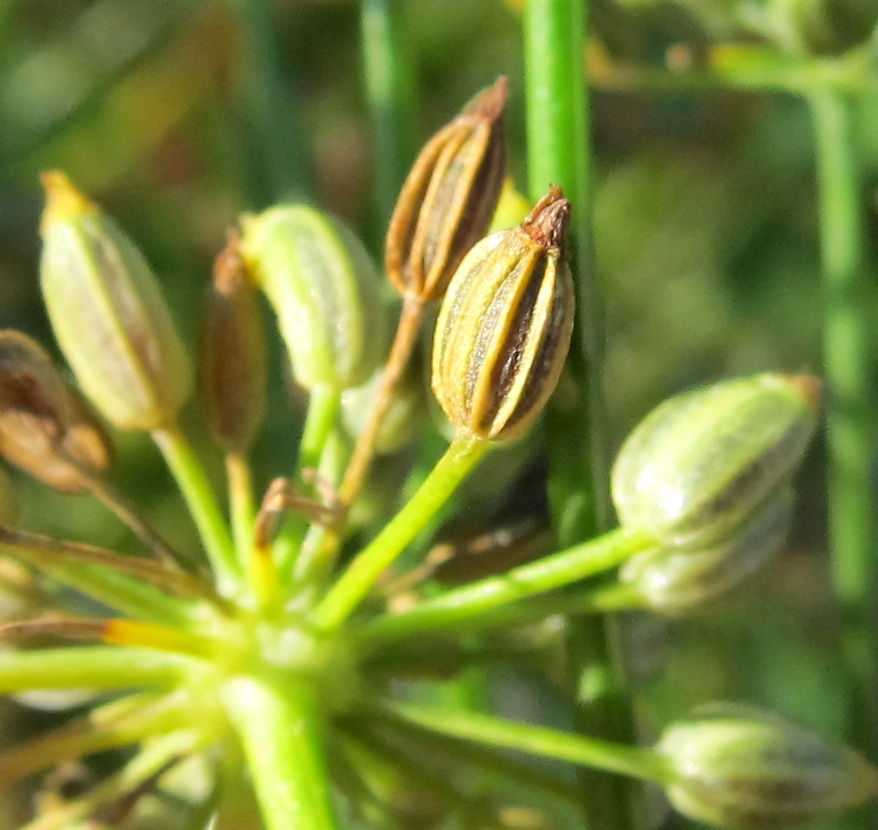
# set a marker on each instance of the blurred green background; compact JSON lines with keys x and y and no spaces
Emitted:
{"x":705,"y":228}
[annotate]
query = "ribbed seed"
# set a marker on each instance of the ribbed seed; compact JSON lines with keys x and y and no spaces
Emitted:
{"x":108,"y":313}
{"x":232,"y":369}
{"x":448,"y":198}
{"x":46,"y":427}
{"x":324,"y":289}
{"x":504,"y":327}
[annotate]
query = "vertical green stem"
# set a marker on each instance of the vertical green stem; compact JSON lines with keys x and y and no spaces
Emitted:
{"x":559,"y":152}
{"x":201,"y":499}
{"x":274,"y":119}
{"x":850,"y":426}
{"x":322,"y":409}
{"x":390,"y":92}
{"x":280,"y":727}
{"x":361,"y":575}
{"x":242,"y":507}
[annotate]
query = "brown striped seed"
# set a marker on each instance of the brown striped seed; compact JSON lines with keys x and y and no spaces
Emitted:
{"x":505,"y":324}
{"x":46,"y":427}
{"x":232,"y":367}
{"x":448,"y":198}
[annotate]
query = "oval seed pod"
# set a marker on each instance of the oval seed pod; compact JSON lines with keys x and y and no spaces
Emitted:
{"x":232,"y":366}
{"x":324,"y":289}
{"x":505,"y":324}
{"x":747,"y":769}
{"x":681,"y":580}
{"x":448,"y":198}
{"x":696,"y":467}
{"x":402,"y":419}
{"x":108,"y":313}
{"x":46,"y":427}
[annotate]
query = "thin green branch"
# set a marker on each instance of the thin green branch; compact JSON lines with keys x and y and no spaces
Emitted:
{"x":120,"y":723}
{"x":532,"y":740}
{"x":203,"y":505}
{"x":89,"y":667}
{"x":461,"y":605}
{"x":361,"y":575}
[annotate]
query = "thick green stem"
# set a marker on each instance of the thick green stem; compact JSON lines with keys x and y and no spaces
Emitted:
{"x":362,"y":574}
{"x":845,"y":350}
{"x":280,"y":726}
{"x":203,"y":505}
{"x":391,"y":96}
{"x":619,"y":759}
{"x":559,"y":151}
{"x":461,"y":605}
{"x":850,"y":425}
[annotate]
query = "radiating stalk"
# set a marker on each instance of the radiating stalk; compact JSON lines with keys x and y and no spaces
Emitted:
{"x":203,"y":505}
{"x":361,"y":575}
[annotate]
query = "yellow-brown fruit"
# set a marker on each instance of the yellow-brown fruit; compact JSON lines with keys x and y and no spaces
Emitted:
{"x":505,"y":324}
{"x":232,"y":368}
{"x":447,"y":201}
{"x":46,"y":427}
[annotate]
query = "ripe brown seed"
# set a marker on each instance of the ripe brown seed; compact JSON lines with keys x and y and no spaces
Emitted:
{"x":232,"y":367}
{"x":46,"y":426}
{"x":447,"y":201}
{"x":505,"y":324}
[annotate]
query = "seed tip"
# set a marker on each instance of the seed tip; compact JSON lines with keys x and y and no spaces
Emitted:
{"x":63,"y":200}
{"x":488,"y":104}
{"x":547,"y":223}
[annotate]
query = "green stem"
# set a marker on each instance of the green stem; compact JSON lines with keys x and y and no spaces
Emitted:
{"x":128,"y":595}
{"x":280,"y":727}
{"x":559,"y":151}
{"x":122,"y":722}
{"x":148,"y":763}
{"x":644,"y":764}
{"x":849,"y":421}
{"x":201,"y":499}
{"x":322,"y":408}
{"x":746,"y":68}
{"x":88,"y":667}
{"x":275,"y":121}
{"x":845,"y":347}
{"x":389,"y":74}
{"x":461,"y":605}
{"x":242,"y":508}
{"x":362,"y":574}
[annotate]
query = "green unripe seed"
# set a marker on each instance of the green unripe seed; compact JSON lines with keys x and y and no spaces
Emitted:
{"x":746,"y":769}
{"x":108,"y":313}
{"x":682,"y":580}
{"x":695,"y":468}
{"x":324,"y":290}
